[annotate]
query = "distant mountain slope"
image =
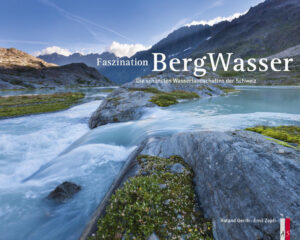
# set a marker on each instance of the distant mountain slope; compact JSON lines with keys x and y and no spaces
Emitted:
{"x":267,"y":29}
{"x":290,"y":52}
{"x":179,"y":43}
{"x":21,"y":70}
{"x":89,"y":59}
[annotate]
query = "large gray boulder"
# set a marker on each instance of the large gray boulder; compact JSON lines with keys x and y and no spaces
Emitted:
{"x":120,"y":106}
{"x":239,"y":175}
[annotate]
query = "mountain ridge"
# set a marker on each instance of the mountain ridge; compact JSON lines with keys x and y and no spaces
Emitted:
{"x":21,"y":70}
{"x":266,"y":29}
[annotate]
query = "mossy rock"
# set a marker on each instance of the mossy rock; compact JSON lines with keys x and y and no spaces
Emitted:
{"x":148,"y":90}
{"x":163,"y":100}
{"x":289,"y":135}
{"x":107,"y":90}
{"x":166,"y":99}
{"x":114,"y":100}
{"x":155,"y":200}
{"x":226,"y":89}
{"x":229,"y":73}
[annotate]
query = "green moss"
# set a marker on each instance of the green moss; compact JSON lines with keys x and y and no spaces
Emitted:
{"x":226,"y":89}
{"x":166,"y":99}
{"x":229,"y":73}
{"x":107,"y":90}
{"x":184,"y":95}
{"x":163,"y":100}
{"x":14,"y":106}
{"x":115,"y":100}
{"x":148,"y":90}
{"x":142,"y":206}
{"x":229,"y":90}
{"x":281,"y":143}
{"x":289,"y":135}
{"x":116,"y":119}
{"x":204,"y":88}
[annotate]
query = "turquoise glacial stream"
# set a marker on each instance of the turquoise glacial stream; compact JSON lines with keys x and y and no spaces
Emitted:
{"x":39,"y":152}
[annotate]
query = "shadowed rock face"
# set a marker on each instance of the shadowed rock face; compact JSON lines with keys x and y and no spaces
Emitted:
{"x":239,"y":175}
{"x":63,"y":192}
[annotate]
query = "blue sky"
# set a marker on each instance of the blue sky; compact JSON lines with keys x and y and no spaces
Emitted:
{"x":93,"y":25}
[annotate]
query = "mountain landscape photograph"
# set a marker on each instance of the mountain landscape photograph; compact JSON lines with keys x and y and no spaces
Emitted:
{"x":150,"y":120}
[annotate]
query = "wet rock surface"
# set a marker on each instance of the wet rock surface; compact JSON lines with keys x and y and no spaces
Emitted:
{"x":63,"y":192}
{"x":121,"y":106}
{"x":239,"y":175}
{"x":128,"y":102}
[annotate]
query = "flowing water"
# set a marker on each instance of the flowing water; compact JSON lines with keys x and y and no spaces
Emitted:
{"x":41,"y":151}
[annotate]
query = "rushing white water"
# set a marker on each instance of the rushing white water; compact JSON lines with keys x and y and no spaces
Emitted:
{"x":39,"y":152}
{"x":32,"y":166}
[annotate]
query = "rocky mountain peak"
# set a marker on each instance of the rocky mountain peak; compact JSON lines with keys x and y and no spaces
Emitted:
{"x":14,"y":58}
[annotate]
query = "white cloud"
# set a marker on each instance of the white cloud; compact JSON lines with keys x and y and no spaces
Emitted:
{"x":128,"y":50}
{"x":216,"y":20}
{"x":53,"y":49}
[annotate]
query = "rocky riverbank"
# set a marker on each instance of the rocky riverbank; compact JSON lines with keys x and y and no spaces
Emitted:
{"x":15,"y":106}
{"x":130,"y":100}
{"x":241,"y":178}
{"x":159,"y":202}
{"x":238,"y":175}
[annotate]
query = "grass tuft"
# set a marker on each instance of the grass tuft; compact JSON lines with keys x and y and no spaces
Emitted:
{"x":289,"y":135}
{"x":166,"y":99}
{"x":14,"y":106}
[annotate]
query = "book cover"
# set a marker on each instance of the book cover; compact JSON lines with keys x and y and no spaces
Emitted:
{"x":149,"y":120}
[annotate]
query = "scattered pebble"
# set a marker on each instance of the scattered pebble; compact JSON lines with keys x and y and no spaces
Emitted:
{"x":144,"y":173}
{"x":281,"y":151}
{"x":176,"y":168}
{"x":162,"y":186}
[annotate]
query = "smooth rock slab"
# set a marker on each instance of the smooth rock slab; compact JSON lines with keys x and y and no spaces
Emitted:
{"x":239,"y":175}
